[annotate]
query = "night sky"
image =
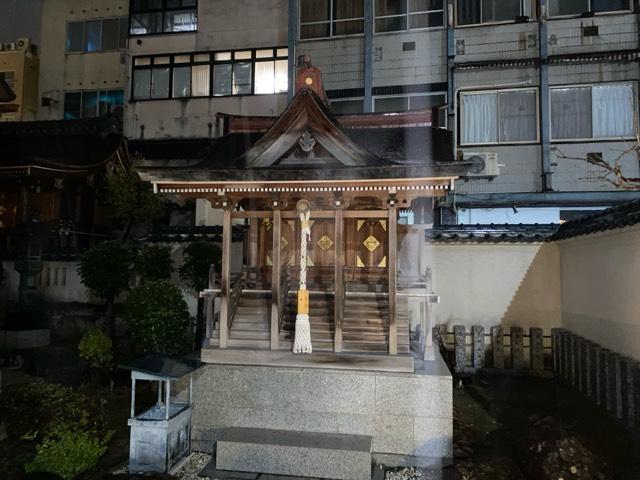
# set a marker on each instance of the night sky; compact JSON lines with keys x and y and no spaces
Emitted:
{"x":20,"y":18}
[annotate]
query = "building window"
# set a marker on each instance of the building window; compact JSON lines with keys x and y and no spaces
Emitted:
{"x":404,"y":103}
{"x":499,"y":116}
{"x":347,"y":106}
{"x":103,"y":35}
{"x":604,"y":111}
{"x":576,"y":7}
{"x":89,"y":104}
{"x":474,"y":12}
{"x":242,"y":72}
{"x":330,"y":18}
{"x":398,"y":15}
{"x":163,"y":16}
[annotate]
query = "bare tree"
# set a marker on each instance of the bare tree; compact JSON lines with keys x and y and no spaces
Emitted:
{"x":612,"y":170}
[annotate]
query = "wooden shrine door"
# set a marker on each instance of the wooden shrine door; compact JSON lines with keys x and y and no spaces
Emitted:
{"x":367,"y":245}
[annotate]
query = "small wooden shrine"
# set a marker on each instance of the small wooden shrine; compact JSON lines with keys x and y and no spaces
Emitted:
{"x":357,"y":173}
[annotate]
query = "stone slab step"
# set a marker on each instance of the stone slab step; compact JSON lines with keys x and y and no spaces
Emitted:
{"x":304,"y":454}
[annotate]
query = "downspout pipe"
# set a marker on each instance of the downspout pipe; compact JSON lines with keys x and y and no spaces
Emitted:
{"x":292,"y":37}
{"x":545,"y":103}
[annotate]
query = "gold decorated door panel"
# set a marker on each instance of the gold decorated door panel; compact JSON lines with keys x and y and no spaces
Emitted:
{"x":366,"y":243}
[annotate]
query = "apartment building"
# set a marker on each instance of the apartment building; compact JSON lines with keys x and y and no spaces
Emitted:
{"x":536,"y":91}
{"x":19,"y":70}
{"x":83,"y":58}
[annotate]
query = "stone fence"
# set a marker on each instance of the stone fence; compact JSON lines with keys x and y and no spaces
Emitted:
{"x":608,"y":379}
{"x":496,"y":351}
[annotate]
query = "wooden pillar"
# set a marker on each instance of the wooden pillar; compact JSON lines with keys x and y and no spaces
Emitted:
{"x":253,"y":242}
{"x":275,"y":277}
{"x":225,"y":285}
{"x":393,"y":270}
{"x":338,"y":281}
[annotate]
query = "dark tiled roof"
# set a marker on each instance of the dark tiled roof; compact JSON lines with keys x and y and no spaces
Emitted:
{"x":492,"y":233}
{"x":400,"y":145}
{"x":64,"y":145}
{"x":620,"y":216}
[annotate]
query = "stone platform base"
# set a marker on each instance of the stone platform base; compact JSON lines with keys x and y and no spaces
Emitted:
{"x":304,"y":454}
{"x":408,"y":415}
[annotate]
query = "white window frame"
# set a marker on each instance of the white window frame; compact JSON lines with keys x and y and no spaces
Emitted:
{"x":634,"y":85}
{"x":503,"y":22}
{"x":536,"y":90}
{"x":331,"y":21}
{"x":578,"y":15}
{"x":408,"y":15}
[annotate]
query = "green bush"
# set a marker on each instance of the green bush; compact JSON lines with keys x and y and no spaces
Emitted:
{"x":198,"y":257}
{"x":96,"y":348}
{"x":153,"y":262}
{"x":67,"y":452}
{"x":158,"y":318}
{"x":34,"y":410}
{"x":106,"y":269}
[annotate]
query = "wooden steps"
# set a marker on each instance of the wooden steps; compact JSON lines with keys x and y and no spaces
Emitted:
{"x":365,"y":323}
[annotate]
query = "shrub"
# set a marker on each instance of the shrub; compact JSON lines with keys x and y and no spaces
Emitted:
{"x":106,"y":270}
{"x":96,"y":348}
{"x":198,"y":257}
{"x":153,"y":262}
{"x":34,"y":410}
{"x":158,"y":318}
{"x":67,"y":452}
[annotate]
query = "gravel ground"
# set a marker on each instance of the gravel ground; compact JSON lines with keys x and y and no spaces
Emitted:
{"x":195,"y":463}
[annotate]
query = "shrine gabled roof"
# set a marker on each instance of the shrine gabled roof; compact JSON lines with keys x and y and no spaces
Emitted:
{"x":346,"y":153}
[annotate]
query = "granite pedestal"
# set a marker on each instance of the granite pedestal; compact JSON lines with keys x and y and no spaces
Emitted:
{"x":408,"y":415}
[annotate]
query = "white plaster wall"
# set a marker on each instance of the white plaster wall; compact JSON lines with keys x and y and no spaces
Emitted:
{"x":190,"y":118}
{"x":600,"y":298}
{"x":616,"y":32}
{"x":496,"y":284}
{"x":496,"y":42}
{"x":426,"y":64}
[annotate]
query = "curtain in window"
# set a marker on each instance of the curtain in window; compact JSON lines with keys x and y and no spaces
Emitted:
{"x":517,"y":112}
{"x":479,"y":118}
{"x":568,"y":7}
{"x":181,"y":82}
{"x":500,"y":10}
{"x":141,"y":84}
{"x":468,"y":12}
{"x":200,"y":80}
{"x":571,"y":113}
{"x":613,"y":111}
{"x":160,"y":83}
{"x":282,"y":77}
{"x":264,"y":77}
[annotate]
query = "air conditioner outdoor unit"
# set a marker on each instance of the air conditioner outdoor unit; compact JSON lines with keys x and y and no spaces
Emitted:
{"x":23,"y":43}
{"x":483,"y":164}
{"x":10,"y":46}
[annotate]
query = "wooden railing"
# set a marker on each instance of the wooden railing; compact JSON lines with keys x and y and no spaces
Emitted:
{"x":284,"y":293}
{"x":234,"y":298}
